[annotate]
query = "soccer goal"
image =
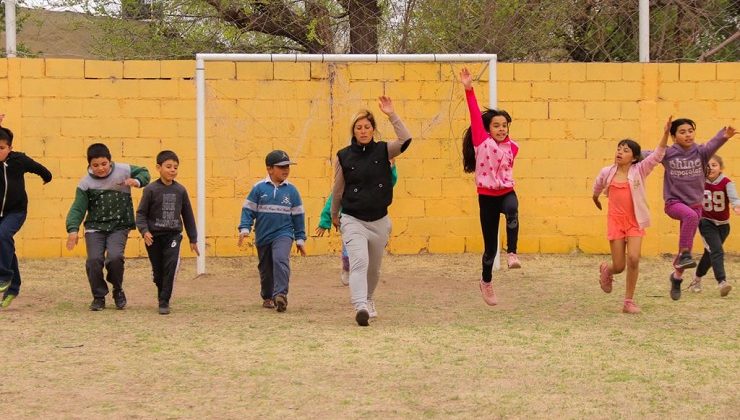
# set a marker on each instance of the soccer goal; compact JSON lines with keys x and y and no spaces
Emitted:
{"x":200,"y":78}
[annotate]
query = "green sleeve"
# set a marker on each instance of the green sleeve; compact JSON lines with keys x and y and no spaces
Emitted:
{"x":140,"y":174}
{"x":325,"y":220}
{"x":77,"y":211}
{"x":394,"y":175}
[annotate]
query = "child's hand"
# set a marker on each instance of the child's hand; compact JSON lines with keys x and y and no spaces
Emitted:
{"x":597,"y":202}
{"x":729,"y":132}
{"x":667,"y":128}
{"x":320,"y":231}
{"x":148,"y":238}
{"x":242,"y":237}
{"x":466,"y":78}
{"x":2,"y":117}
{"x":131,"y":182}
{"x":301,"y":248}
{"x":194,"y":248}
{"x":72,"y":239}
{"x":386,"y":105}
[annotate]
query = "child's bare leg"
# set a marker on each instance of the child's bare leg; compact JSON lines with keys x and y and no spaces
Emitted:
{"x":634,"y":245}
{"x":617,"y":246}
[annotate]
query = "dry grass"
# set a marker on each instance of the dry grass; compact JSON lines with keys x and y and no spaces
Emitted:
{"x":556,"y":347}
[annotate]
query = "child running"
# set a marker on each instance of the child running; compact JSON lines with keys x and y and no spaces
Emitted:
{"x":720,"y":195}
{"x":683,"y":188}
{"x":275,"y":209}
{"x":628,"y":214}
{"x":489,"y":152}
{"x":163,"y":210}
{"x":13,"y":209}
{"x":325,"y":224}
{"x":103,"y":201}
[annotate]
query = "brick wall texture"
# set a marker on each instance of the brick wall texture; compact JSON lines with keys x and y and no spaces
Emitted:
{"x":568,"y":119}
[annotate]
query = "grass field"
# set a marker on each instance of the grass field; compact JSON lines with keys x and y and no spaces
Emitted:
{"x":556,"y":346}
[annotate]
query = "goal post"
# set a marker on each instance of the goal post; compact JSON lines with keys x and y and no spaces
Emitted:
{"x":200,"y":105}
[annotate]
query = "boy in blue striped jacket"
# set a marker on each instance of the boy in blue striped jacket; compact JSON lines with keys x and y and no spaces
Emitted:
{"x":275,"y":209}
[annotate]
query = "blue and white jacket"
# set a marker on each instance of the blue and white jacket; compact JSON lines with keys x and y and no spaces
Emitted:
{"x":277,"y":210}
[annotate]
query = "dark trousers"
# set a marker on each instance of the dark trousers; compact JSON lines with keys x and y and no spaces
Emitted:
{"x":274,"y":267}
{"x":164,"y":254}
{"x":714,"y":236}
{"x":10,"y":224}
{"x":490,"y":212}
{"x":105,"y":249}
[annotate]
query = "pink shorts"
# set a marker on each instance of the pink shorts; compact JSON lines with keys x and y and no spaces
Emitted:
{"x":620,"y":227}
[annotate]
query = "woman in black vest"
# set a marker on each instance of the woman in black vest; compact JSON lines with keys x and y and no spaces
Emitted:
{"x":362,"y":187}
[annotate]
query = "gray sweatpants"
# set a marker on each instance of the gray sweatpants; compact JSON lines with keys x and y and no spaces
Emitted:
{"x":105,"y":249}
{"x":365,"y":243}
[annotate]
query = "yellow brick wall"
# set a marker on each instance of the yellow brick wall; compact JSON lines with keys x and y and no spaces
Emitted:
{"x":567,"y":120}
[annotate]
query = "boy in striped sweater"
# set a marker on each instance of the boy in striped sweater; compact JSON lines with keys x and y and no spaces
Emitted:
{"x":275,"y":209}
{"x":103,"y":201}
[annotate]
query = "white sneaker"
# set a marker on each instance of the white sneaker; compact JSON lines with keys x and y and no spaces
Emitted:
{"x":344,"y":279}
{"x":371,"y":308}
{"x":724,"y":288}
{"x":695,"y":285}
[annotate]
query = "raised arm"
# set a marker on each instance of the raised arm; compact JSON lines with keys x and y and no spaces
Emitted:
{"x":478,"y":132}
{"x":709,"y":148}
{"x":403,"y":136}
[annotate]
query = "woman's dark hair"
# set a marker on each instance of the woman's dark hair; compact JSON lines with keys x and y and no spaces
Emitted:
{"x":679,"y":122}
{"x":97,"y":150}
{"x":634,"y":147}
{"x":467,"y":149}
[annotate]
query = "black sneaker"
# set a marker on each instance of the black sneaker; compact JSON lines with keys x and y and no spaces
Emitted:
{"x":4,"y":284}
{"x":119,"y":298}
{"x":164,"y":308}
{"x":362,"y":317}
{"x":281,"y":303}
{"x":684,"y":261}
{"x":98,"y":304}
{"x":675,"y":288}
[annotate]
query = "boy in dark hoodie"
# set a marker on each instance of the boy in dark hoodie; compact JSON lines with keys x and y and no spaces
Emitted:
{"x":13,"y":209}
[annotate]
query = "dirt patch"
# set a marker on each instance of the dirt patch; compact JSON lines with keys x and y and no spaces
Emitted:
{"x":556,"y":346}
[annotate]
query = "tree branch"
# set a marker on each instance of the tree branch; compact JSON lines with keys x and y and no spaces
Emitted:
{"x":272,"y":18}
{"x":719,"y":47}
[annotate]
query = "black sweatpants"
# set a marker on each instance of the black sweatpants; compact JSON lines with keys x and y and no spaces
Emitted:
{"x":714,"y":236}
{"x":491,"y":208}
{"x":164,"y":254}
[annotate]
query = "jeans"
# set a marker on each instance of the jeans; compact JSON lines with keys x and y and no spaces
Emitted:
{"x":274,"y":267}
{"x":10,"y":224}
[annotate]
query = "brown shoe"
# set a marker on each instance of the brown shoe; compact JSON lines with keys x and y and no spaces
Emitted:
{"x":281,"y":302}
{"x":268,"y":303}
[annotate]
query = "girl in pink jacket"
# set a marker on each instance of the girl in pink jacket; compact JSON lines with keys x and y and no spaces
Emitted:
{"x":628,"y":214}
{"x":489,"y":152}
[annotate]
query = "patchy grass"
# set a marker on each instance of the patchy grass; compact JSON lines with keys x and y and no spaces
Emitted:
{"x":556,"y":346}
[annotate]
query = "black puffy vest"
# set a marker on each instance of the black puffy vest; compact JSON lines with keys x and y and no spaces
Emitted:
{"x":368,"y":190}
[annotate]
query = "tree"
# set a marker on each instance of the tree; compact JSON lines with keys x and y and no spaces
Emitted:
{"x":569,"y":30}
{"x":182,"y":28}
